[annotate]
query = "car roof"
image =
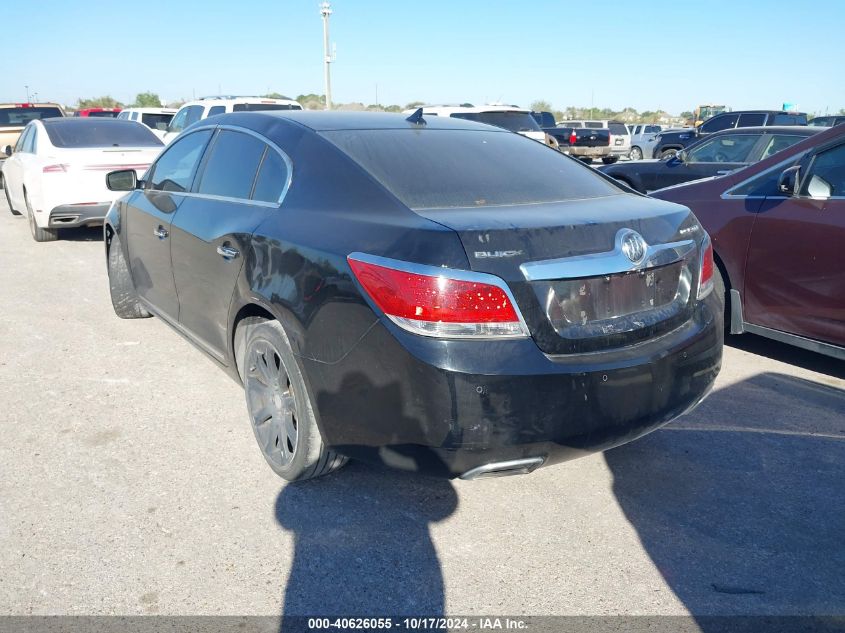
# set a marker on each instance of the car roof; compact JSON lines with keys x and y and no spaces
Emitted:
{"x":228,"y":100}
{"x":325,"y":121}
{"x":806,"y":130}
{"x":30,"y":105}
{"x":449,"y":109}
{"x":148,"y":110}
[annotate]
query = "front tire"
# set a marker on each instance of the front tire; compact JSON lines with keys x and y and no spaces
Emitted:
{"x":8,"y":199}
{"x":38,"y":234}
{"x":636,"y":153}
{"x":124,"y":299}
{"x":279,"y":406}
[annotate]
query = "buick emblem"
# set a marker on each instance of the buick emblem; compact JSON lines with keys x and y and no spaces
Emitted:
{"x":634,"y":246}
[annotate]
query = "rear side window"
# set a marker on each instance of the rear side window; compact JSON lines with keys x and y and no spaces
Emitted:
{"x":175,"y":168}
{"x":257,"y":107}
{"x":618,"y":129}
{"x":789,"y":119}
{"x":232,"y":164}
{"x":730,"y":148}
{"x":751,"y":120}
{"x":462,"y":168}
{"x":779,"y":142}
{"x":719,"y":122}
{"x":216,"y":110}
{"x":85,"y":132}
{"x":272,"y":177}
{"x":156,"y":121}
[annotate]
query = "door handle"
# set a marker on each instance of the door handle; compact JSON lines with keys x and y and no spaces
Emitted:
{"x":227,"y":252}
{"x":161,"y":232}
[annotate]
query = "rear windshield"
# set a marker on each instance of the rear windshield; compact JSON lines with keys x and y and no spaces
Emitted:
{"x":257,"y":107}
{"x":84,"y":132}
{"x":153,"y":120}
{"x":18,"y":117}
{"x":103,"y":114}
{"x":789,"y":119}
{"x":463,"y":168}
{"x":513,"y":121}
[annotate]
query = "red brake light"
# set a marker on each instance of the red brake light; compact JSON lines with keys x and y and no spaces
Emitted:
{"x":439,"y":302}
{"x":705,"y":275}
{"x":54,"y":169}
{"x":573,"y":138}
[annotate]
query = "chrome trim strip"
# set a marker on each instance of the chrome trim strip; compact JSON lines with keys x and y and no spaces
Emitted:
{"x":444,"y":271}
{"x":608,"y":262}
{"x":503,"y":469}
{"x":263,"y":139}
{"x":828,"y":349}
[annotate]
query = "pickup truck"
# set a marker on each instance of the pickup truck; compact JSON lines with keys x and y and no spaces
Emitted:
{"x":671,"y":142}
{"x":582,"y":143}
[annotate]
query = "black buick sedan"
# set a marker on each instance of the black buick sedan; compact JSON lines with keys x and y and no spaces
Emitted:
{"x":436,"y":295}
{"x":715,"y":155}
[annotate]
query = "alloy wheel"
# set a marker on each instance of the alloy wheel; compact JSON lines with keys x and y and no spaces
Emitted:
{"x":271,"y":403}
{"x":636,"y":153}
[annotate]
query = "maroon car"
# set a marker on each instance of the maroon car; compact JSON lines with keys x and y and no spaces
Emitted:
{"x":778,"y":230}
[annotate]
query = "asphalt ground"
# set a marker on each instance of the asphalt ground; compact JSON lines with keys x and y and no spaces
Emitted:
{"x":130,"y":483}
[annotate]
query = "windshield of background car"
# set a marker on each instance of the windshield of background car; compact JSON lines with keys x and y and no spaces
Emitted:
{"x":18,"y":117}
{"x":435,"y":169}
{"x":152,"y":120}
{"x":618,"y":129}
{"x":513,"y":121}
{"x":76,"y":133}
{"x":257,"y":107}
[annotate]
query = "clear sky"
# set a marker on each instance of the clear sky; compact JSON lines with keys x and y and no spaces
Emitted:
{"x":648,"y":55}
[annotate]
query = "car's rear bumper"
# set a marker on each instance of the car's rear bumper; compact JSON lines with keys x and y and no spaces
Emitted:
{"x":448,"y":407}
{"x":72,"y":215}
{"x":587,"y":151}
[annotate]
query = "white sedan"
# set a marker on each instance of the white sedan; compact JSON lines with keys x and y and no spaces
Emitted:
{"x":56,"y":172}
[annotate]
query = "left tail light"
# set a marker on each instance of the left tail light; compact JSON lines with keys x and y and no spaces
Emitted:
{"x":439,"y":302}
{"x":706,"y":268}
{"x":54,"y":169}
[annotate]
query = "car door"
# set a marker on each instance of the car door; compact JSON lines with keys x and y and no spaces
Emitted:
{"x":148,"y":217}
{"x":795,"y":271}
{"x":13,"y":170}
{"x":240,"y":182}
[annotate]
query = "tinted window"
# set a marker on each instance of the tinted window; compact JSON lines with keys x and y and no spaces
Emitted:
{"x":84,"y":132}
{"x":232,"y":164}
{"x":216,"y":110}
{"x":652,"y":129}
{"x":185,"y":116}
{"x":730,"y":148}
{"x":156,"y":121}
{"x":174,"y":170}
{"x":513,"y":121}
{"x":720,"y":122}
{"x":765,"y":184}
{"x":450,"y":168}
{"x":779,"y":142}
{"x":595,"y":125}
{"x":750,"y":120}
{"x":272,"y":176}
{"x":256,"y":107}
{"x":617,"y":129}
{"x":18,"y":117}
{"x":789,"y":119}
{"x":103,"y":114}
{"x":826,"y":176}
{"x":124,"y":115}
{"x":22,"y":139}
{"x":822,"y":121}
{"x":31,"y":140}
{"x":194,"y":115}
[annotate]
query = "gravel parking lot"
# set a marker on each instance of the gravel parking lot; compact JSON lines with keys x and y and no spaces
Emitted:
{"x":130,"y":483}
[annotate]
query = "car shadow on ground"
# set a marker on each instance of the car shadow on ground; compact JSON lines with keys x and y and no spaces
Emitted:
{"x":741,"y":504}
{"x":362,"y":544}
{"x":790,"y":354}
{"x":82,"y":234}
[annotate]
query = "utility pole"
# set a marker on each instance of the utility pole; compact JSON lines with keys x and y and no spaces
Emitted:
{"x":27,"y":93}
{"x":326,"y":11}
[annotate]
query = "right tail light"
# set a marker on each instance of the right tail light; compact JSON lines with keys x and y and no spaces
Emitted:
{"x":706,"y":268}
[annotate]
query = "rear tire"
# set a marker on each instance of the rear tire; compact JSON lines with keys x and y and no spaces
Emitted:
{"x":279,"y":406}
{"x":636,"y":153}
{"x":8,"y":199}
{"x":38,"y":234}
{"x":609,"y":160}
{"x":124,"y":299}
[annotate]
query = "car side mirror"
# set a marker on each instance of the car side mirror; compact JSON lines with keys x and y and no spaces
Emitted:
{"x":122,"y":180}
{"x":7,"y":150}
{"x":788,"y":181}
{"x":680,"y":156}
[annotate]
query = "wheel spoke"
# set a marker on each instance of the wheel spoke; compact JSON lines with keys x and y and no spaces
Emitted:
{"x":290,"y":430}
{"x":264,"y":414}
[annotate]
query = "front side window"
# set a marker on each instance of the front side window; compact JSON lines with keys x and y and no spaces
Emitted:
{"x":232,"y":164}
{"x":826,"y":176}
{"x":175,"y":168}
{"x":766,"y":183}
{"x":468,"y":168}
{"x":720,"y":122}
{"x":730,"y":148}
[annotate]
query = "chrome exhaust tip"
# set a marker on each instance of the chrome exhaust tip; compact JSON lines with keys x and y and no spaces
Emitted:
{"x":504,"y":469}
